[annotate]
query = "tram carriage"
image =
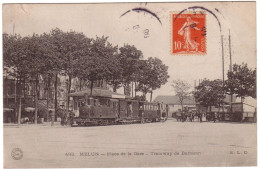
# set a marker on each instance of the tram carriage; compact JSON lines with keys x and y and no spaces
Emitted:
{"x":109,"y":111}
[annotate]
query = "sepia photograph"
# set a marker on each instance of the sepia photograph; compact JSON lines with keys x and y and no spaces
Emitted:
{"x":126,"y":85}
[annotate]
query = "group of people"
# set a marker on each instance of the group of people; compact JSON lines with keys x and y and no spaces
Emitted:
{"x":186,"y":115}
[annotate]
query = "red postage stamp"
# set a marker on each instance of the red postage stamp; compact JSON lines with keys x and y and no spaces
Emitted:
{"x":188,"y":33}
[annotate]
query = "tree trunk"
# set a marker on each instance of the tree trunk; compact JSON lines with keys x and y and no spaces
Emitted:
{"x":36,"y":100}
{"x":24,"y":86}
{"x":19,"y":112}
{"x":80,"y":84}
{"x":231,"y":100}
{"x":15,"y":99}
{"x":18,"y":92}
{"x":242,"y":106}
{"x":132,"y":89}
{"x":55,"y":100}
{"x":91,"y":87}
{"x":48,"y":97}
{"x":102,"y":84}
{"x":124,"y":89}
{"x":135,"y":88}
{"x":144,"y":94}
{"x":114,"y":88}
{"x":68,"y":98}
{"x":151,"y":96}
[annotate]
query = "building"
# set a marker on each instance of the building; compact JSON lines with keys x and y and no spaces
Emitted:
{"x":174,"y":102}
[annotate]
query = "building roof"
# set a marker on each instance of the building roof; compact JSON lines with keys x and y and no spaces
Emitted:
{"x":174,"y":100}
{"x":189,"y":101}
{"x":100,"y":92}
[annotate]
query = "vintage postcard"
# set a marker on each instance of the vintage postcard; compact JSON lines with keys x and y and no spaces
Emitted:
{"x":96,"y":85}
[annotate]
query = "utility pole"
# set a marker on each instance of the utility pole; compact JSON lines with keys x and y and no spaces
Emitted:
{"x":230,"y":57}
{"x":55,"y":101}
{"x":230,"y":69}
{"x":13,"y":28}
{"x":18,"y":114}
{"x":223,"y":70}
{"x":15,"y":101}
{"x":194,"y":91}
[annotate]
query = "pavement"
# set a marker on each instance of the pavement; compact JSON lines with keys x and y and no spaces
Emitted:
{"x":167,"y":144}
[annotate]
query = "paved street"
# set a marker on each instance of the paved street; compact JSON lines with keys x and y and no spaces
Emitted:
{"x":138,"y":145}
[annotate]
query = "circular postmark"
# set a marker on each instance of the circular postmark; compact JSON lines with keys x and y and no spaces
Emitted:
{"x":17,"y":154}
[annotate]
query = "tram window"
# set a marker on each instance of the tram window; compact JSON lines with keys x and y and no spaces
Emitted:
{"x":75,"y":105}
{"x":122,"y":105}
{"x":102,"y":101}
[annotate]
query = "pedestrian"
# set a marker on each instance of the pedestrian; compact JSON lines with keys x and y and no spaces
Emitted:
{"x":191,"y":117}
{"x":200,"y":117}
{"x":215,"y":116}
{"x":142,"y":119}
{"x":182,"y":116}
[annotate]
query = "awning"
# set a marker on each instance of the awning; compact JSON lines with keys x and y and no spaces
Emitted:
{"x":8,"y":109}
{"x":29,"y":109}
{"x":118,"y":96}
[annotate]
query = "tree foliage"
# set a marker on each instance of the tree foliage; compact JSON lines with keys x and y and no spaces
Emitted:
{"x":73,"y":55}
{"x":182,"y":90}
{"x":241,"y":81}
{"x":152,"y":74}
{"x":209,"y":93}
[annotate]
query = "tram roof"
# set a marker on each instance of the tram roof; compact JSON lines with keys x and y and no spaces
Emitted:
{"x":100,"y":92}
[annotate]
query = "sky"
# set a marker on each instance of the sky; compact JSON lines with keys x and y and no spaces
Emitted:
{"x":238,"y":18}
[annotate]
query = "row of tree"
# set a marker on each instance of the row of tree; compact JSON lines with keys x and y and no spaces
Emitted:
{"x":74,"y":55}
{"x":241,"y":82}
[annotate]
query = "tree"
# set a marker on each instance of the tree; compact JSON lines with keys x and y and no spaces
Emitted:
{"x":241,"y":81}
{"x":14,"y":62}
{"x":129,"y":59}
{"x":36,"y":63}
{"x":151,"y":75}
{"x":142,"y":78}
{"x":115,"y":72}
{"x":96,"y":65}
{"x":158,"y":74}
{"x":26,"y":57}
{"x":69,"y":47}
{"x":182,"y":90}
{"x":209,"y":93}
